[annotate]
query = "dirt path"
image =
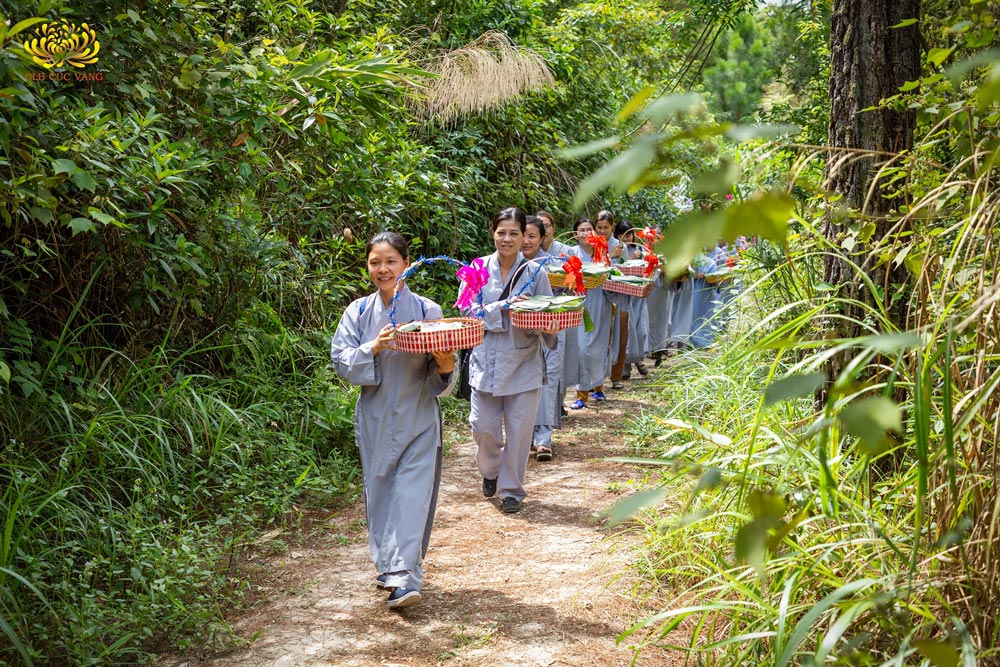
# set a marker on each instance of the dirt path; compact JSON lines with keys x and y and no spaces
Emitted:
{"x":548,"y":586}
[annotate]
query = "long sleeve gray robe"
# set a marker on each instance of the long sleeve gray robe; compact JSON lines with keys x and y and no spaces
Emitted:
{"x":594,"y":345}
{"x":397,"y":426}
{"x":658,"y":305}
{"x":506,"y":374}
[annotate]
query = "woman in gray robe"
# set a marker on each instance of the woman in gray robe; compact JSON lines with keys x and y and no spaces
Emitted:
{"x":507,"y":371}
{"x":704,"y":303}
{"x":549,"y":416}
{"x":569,"y":345}
{"x":659,"y":304}
{"x":397,"y":420}
{"x":593,"y":345}
{"x":681,"y":314}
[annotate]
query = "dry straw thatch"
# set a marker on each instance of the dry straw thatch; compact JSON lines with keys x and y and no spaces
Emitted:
{"x":481,"y":76}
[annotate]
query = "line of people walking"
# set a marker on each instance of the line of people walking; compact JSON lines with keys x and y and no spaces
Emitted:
{"x":518,"y":377}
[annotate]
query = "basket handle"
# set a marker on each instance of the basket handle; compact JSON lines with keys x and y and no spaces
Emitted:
{"x":411,"y":269}
{"x":527,"y":285}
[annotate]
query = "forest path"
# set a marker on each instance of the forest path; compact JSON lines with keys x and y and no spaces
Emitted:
{"x":549,"y":586}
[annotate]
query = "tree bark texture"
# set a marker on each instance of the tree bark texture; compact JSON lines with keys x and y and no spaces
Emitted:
{"x":869,"y":61}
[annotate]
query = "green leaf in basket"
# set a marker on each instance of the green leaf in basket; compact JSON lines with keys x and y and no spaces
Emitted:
{"x":634,"y":280}
{"x":541,"y":303}
{"x":588,"y":324}
{"x":592,"y":269}
{"x":409,"y":326}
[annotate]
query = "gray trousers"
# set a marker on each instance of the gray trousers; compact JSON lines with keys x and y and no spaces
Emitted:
{"x":505,"y":459}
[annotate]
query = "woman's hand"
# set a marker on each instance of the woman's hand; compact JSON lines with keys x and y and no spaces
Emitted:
{"x":445,"y":361}
{"x":617,"y":252}
{"x":552,"y":331}
{"x":384,"y":339}
{"x":507,"y":303}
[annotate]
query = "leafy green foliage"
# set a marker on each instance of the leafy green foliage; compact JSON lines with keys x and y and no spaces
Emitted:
{"x":177,"y":242}
{"x":843,"y":530}
{"x":744,"y":63}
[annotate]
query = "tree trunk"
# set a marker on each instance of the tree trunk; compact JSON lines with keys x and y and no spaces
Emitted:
{"x":869,"y":61}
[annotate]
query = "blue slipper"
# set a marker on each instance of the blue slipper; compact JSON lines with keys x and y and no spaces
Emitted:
{"x":577,"y":405}
{"x":598,"y":396}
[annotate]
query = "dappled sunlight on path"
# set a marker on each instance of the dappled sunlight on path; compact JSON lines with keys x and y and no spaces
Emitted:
{"x":547,"y":586}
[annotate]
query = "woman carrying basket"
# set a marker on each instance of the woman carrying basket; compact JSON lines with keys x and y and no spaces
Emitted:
{"x":397,"y":420}
{"x":507,"y":371}
{"x":549,"y":415}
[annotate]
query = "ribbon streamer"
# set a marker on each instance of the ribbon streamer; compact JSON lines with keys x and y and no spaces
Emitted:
{"x":474,"y":277}
{"x":574,"y":275}
{"x":649,"y":235}
{"x":600,"y":245}
{"x":652,"y":262}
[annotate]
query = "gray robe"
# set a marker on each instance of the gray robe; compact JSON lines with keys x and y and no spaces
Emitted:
{"x":681,"y":316}
{"x":558,"y":248}
{"x":638,"y":331}
{"x":658,"y":305}
{"x":594,"y":346}
{"x":549,"y":415}
{"x":397,"y":426}
{"x":506,"y":374}
{"x":705,"y":297}
{"x":510,"y":360}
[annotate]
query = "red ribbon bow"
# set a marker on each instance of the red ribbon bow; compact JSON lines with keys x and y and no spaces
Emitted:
{"x":574,"y":275}
{"x":652,"y":262}
{"x":600,"y":245}
{"x":649,"y":235}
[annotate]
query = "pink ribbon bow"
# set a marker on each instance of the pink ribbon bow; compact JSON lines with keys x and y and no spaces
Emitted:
{"x":474,"y":275}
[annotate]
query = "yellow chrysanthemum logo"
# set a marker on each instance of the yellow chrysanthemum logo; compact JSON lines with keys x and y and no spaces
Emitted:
{"x":63,"y":43}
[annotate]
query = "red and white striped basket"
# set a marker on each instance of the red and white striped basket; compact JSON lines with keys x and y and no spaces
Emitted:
{"x":567,"y":319}
{"x":623,"y":287}
{"x":441,"y":340}
{"x":632,"y":269}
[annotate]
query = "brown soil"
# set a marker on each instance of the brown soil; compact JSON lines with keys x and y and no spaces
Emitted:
{"x":550,"y":586}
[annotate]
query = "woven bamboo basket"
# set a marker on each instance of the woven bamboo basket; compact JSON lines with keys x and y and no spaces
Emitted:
{"x":631,"y":289}
{"x":720,"y":279}
{"x":567,"y":319}
{"x":557,"y":280}
{"x":470,"y":334}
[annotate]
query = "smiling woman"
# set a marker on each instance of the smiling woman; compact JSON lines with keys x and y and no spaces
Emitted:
{"x":397,"y":420}
{"x":507,"y":370}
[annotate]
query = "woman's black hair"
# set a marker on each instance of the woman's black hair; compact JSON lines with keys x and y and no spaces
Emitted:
{"x":393,"y":239}
{"x":621,"y":228}
{"x":511,"y":213}
{"x":537,"y":222}
{"x":605,"y":215}
{"x":579,"y":222}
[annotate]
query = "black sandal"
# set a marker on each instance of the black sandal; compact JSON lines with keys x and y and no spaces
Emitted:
{"x":543,"y":452}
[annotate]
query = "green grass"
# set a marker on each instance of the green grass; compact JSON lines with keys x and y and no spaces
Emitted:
{"x":798,"y":541}
{"x":128,"y":492}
